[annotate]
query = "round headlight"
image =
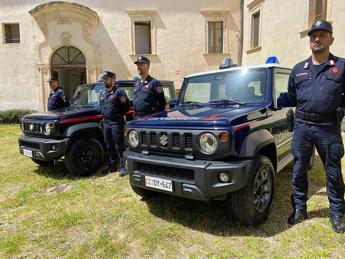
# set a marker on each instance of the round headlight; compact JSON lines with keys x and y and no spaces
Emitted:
{"x":208,"y":143}
{"x":133,"y":138}
{"x":47,"y":129}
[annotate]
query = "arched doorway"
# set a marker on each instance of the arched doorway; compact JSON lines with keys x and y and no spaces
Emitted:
{"x":69,"y":66}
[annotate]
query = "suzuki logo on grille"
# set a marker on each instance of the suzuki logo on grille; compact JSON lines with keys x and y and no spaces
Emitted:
{"x":31,"y":127}
{"x":163,"y":140}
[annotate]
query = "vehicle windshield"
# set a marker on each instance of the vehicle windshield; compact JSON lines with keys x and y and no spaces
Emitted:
{"x":87,"y":95}
{"x":129,"y":89}
{"x":233,"y":87}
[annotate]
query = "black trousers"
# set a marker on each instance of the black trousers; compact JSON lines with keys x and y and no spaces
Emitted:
{"x":114,"y":138}
{"x":328,"y":142}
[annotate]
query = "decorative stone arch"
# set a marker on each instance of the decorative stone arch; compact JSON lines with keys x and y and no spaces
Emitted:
{"x":75,"y":56}
{"x":60,"y":24}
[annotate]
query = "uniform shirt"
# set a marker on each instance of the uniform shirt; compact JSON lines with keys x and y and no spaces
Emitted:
{"x":316,"y":69}
{"x":114,"y":104}
{"x":149,"y":96}
{"x":318,"y":90}
{"x":57,"y":99}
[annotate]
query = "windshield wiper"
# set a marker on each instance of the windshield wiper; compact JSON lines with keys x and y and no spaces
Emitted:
{"x":226,"y":101}
{"x":189,"y":102}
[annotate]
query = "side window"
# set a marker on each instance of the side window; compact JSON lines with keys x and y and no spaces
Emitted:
{"x":167,"y":93}
{"x":198,"y":92}
{"x":128,"y":88}
{"x":252,"y":92}
{"x":281,"y":81}
{"x":92,"y":96}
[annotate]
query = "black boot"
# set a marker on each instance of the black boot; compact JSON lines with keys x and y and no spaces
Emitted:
{"x":123,"y":168}
{"x":337,"y":223}
{"x":297,"y":216}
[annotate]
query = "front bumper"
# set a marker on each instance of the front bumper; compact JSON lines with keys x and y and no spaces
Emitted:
{"x":193,"y":179}
{"x":42,"y":148}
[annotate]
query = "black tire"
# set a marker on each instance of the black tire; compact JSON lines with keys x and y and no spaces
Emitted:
{"x":145,"y":194}
{"x":84,"y":157}
{"x":42,"y":163}
{"x":252,"y":204}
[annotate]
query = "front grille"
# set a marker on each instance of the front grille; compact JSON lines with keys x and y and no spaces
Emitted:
{"x":188,"y":141}
{"x":153,"y":139}
{"x":176,"y":140}
{"x":32,"y":127}
{"x":144,"y":138}
{"x":171,"y":172}
{"x":166,"y":140}
{"x":29,"y":145}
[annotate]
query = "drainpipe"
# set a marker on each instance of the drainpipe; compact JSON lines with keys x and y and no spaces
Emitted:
{"x":240,"y":36}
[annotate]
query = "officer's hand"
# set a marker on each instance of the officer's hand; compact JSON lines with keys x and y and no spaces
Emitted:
{"x":284,"y":100}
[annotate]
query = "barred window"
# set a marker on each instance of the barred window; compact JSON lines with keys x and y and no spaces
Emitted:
{"x":215,"y":37}
{"x":11,"y":33}
{"x":317,"y":10}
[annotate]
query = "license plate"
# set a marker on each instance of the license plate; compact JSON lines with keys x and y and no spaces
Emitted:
{"x":157,"y":183}
{"x":27,"y":152}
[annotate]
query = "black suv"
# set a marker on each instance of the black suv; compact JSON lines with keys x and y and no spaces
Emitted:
{"x":73,"y":133}
{"x":226,"y":138}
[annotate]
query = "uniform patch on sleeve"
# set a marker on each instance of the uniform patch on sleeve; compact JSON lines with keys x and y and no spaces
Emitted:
{"x":159,"y":89}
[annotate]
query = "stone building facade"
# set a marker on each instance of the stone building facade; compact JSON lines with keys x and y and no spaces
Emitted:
{"x":279,"y":28}
{"x":77,"y":40}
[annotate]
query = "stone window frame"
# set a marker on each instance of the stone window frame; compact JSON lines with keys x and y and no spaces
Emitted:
{"x":254,"y":7}
{"x":216,"y":16}
{"x":312,"y":17}
{"x":327,"y":12}
{"x":143,"y":16}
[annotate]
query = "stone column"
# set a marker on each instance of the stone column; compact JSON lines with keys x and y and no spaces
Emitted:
{"x":44,"y":74}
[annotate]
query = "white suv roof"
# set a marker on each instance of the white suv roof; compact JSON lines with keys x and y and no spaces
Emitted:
{"x":238,"y":68}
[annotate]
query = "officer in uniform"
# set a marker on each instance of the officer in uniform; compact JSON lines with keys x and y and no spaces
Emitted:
{"x":148,"y":94}
{"x":57,"y":98}
{"x":316,"y":87}
{"x":114,"y":104}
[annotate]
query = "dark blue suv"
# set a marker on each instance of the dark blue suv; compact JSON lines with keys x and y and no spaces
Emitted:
{"x":73,"y":134}
{"x":224,"y":140}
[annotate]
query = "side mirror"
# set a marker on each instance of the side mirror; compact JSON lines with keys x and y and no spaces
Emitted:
{"x":172,"y":103}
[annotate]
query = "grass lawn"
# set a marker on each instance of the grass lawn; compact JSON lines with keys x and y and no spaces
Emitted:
{"x":44,"y":212}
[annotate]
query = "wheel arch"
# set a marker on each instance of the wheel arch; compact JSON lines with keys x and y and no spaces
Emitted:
{"x":260,"y":142}
{"x":86,"y":130}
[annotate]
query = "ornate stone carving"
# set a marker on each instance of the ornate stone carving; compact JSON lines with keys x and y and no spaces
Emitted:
{"x":66,"y":38}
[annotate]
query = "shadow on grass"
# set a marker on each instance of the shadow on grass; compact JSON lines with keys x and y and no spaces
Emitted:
{"x":214,"y":218}
{"x":59,"y":171}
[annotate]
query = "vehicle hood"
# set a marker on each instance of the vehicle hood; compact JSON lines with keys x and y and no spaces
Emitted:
{"x":210,"y":115}
{"x":65,"y":113}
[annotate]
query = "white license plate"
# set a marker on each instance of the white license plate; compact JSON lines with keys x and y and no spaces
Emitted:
{"x":27,"y":152}
{"x":158,"y":183}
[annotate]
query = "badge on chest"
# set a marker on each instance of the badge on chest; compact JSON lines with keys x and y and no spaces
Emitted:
{"x":335,"y":71}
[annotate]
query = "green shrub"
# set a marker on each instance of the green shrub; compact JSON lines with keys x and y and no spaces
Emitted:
{"x":13,"y":116}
